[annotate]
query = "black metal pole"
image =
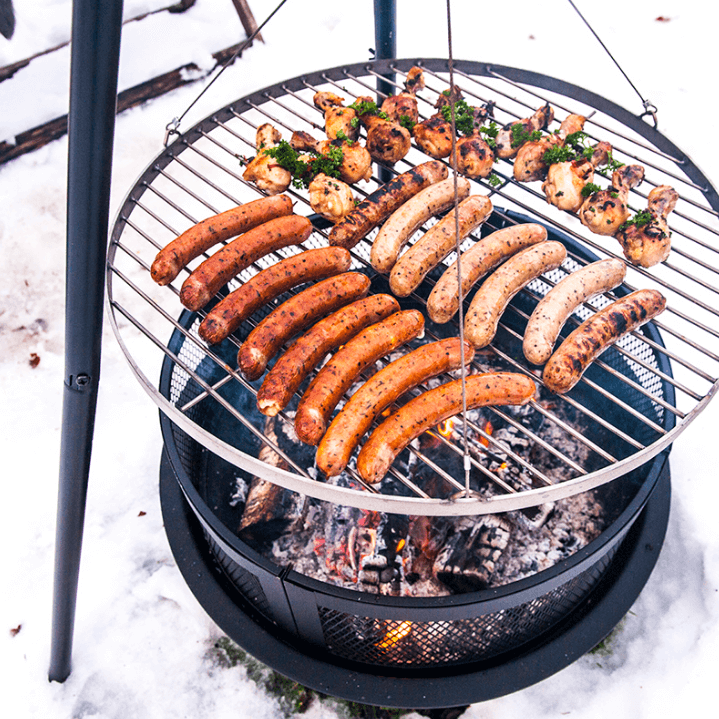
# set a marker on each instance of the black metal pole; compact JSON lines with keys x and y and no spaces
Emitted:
{"x":96,"y":31}
{"x":385,"y":40}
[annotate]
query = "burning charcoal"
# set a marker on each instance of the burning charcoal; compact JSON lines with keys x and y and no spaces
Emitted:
{"x":270,"y":510}
{"x":467,"y":561}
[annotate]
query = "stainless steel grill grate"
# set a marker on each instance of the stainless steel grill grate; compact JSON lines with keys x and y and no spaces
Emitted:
{"x":643,"y":403}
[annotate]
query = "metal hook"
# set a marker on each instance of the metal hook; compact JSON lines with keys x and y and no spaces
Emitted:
{"x":171,"y":129}
{"x":651,"y":110}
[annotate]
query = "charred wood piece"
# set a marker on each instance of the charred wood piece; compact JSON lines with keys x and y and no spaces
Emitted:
{"x":270,"y":510}
{"x":468,"y":558}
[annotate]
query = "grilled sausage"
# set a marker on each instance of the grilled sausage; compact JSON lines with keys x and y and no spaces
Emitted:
{"x":379,"y":392}
{"x":553,"y":310}
{"x":199,"y":238}
{"x":308,"y":266}
{"x":294,"y":315}
{"x":338,"y":374}
{"x":410,"y":216}
{"x":492,"y":298}
{"x":308,"y":350}
{"x":199,"y":288}
{"x":436,"y":244}
{"x":567,"y":365}
{"x":383,"y":201}
{"x":477,"y":261}
{"x":432,"y":407}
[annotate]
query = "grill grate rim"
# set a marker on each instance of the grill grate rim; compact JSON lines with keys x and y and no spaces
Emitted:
{"x":192,"y":163}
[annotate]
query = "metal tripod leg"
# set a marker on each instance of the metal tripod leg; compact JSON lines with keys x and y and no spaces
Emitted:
{"x":96,"y":30}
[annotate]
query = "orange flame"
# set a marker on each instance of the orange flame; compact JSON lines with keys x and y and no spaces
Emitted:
{"x":488,"y":429}
{"x":445,"y":428}
{"x":400,"y":546}
{"x":395,"y":634}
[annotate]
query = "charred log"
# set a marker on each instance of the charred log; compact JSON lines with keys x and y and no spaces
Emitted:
{"x":270,"y":510}
{"x":469,"y":557}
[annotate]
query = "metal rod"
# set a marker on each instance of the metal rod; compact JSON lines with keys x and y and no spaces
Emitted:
{"x":385,"y":40}
{"x":96,"y":30}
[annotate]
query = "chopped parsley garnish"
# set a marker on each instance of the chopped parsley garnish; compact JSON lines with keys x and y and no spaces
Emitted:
{"x":558,"y":153}
{"x":494,"y":180}
{"x":490,"y":134}
{"x":303,"y":172}
{"x":574,"y":147}
{"x":340,"y":135}
{"x":576,"y":139}
{"x":407,"y":122}
{"x":329,"y":163}
{"x":287,"y":157}
{"x":464,"y":117}
{"x":639,"y":220}
{"x":520,"y":135}
{"x":613,"y":164}
{"x":589,"y":189}
{"x":366,"y":107}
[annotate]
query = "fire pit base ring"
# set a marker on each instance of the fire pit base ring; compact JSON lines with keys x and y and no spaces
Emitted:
{"x":443,"y":687}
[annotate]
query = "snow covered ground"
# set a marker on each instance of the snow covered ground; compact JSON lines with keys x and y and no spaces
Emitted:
{"x":143,"y":646}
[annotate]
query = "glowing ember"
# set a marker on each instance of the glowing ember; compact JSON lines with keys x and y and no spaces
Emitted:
{"x":319,"y":545}
{"x":395,"y":635}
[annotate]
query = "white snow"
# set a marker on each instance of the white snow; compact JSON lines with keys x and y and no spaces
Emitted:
{"x":142,"y":641}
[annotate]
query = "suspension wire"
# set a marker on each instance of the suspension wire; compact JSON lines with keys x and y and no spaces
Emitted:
{"x":172,"y":126}
{"x":463,"y":368}
{"x":649,"y":107}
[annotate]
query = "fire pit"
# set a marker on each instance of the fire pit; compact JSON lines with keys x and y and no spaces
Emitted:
{"x":416,"y":592}
{"x":310,"y":663}
{"x":494,"y":587}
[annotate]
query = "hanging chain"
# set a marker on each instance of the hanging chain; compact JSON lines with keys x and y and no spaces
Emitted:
{"x":463,"y":368}
{"x":650,"y":109}
{"x":171,"y":128}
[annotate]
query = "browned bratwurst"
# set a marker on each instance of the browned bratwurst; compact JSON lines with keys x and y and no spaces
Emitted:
{"x":476,"y":262}
{"x":491,"y":299}
{"x":383,"y":201}
{"x":308,"y":266}
{"x":307,"y":351}
{"x":431,"y":408}
{"x":379,"y":392}
{"x":199,"y":288}
{"x":554,"y":309}
{"x":597,"y":333}
{"x":294,"y":315}
{"x":338,"y":374}
{"x":439,"y":241}
{"x":207,"y":233}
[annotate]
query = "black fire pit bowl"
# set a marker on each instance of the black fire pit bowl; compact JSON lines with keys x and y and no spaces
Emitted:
{"x":581,"y":629}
